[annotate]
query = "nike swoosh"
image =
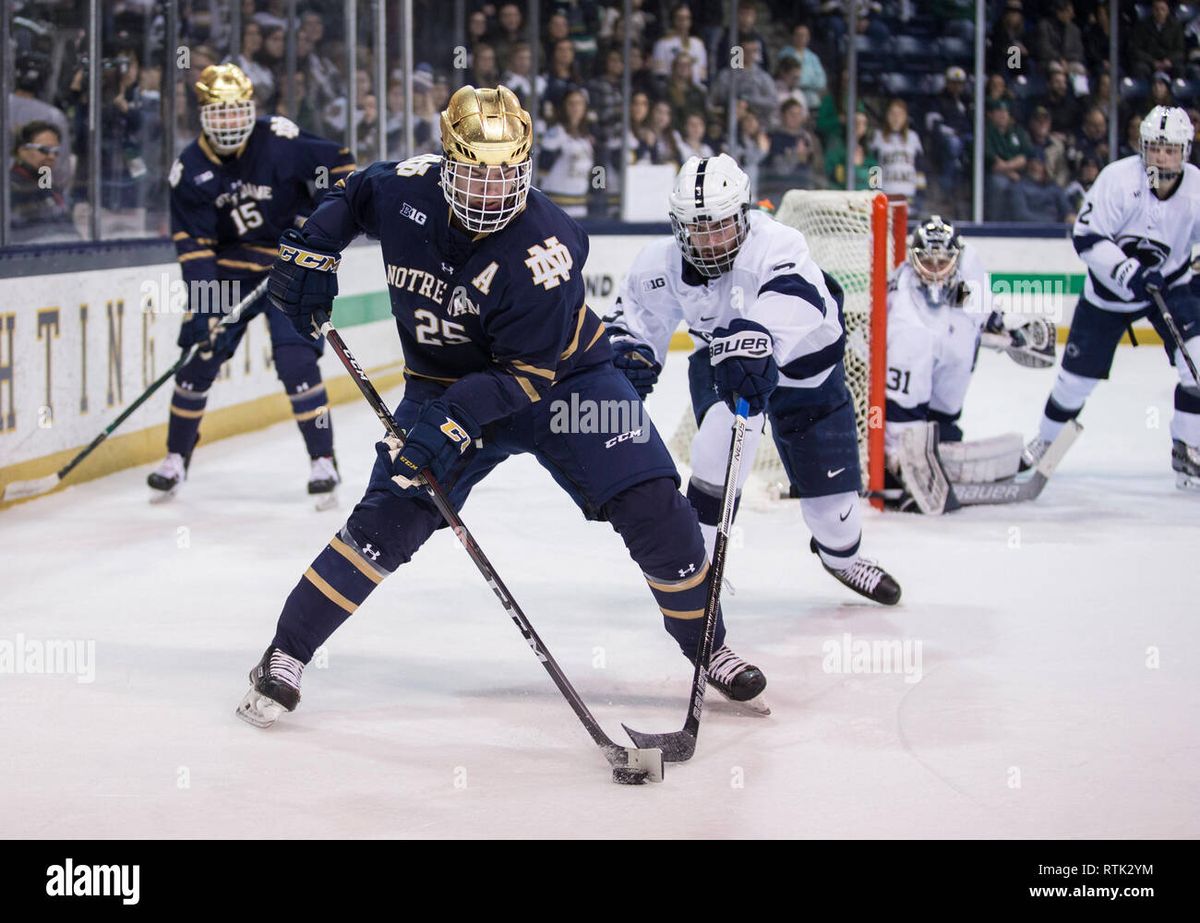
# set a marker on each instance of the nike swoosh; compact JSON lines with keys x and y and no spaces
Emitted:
{"x":714,"y":317}
{"x":847,"y":516}
{"x":833,"y":474}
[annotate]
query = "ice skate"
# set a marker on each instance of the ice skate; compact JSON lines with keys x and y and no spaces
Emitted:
{"x":274,"y":689}
{"x":866,"y":578}
{"x":164,"y":480}
{"x":1185,"y":460}
{"x":737,"y":680}
{"x":323,"y":480}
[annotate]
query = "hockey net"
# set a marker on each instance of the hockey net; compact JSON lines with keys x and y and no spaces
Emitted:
{"x":858,"y":238}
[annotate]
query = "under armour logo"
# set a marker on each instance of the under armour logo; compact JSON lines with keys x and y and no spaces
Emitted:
{"x":371,"y":552}
{"x":550,"y":263}
{"x":687,"y":570}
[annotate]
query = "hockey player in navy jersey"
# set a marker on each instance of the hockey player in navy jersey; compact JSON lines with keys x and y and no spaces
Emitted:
{"x":768,"y":325}
{"x":234,"y":190}
{"x":1135,"y":232}
{"x":485,"y":276}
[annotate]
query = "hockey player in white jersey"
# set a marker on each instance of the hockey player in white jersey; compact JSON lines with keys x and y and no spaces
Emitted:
{"x":1135,"y":232}
{"x":767,"y":322}
{"x":938,"y":315}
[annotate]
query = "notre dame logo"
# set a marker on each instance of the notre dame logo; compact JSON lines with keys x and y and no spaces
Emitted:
{"x":550,"y":263}
{"x":1150,"y":253}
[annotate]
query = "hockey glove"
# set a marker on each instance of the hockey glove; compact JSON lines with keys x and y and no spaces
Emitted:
{"x":636,"y":360}
{"x":436,"y":441}
{"x":1033,"y":344}
{"x":743,"y":364}
{"x":203,"y":328}
{"x":303,"y":280}
{"x":1135,"y":277}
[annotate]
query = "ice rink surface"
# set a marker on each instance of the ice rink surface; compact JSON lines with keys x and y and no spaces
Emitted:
{"x":1058,"y":676}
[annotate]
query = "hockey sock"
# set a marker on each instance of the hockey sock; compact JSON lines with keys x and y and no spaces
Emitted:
{"x":296,"y":365}
{"x":1066,"y":400}
{"x":188,"y":402}
{"x":836,"y":525}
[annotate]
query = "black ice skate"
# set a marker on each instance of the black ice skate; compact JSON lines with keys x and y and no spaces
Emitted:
{"x":737,"y":680}
{"x":323,"y":479}
{"x":866,"y":578}
{"x":1034,"y":450}
{"x":1185,"y":460}
{"x":274,"y":689}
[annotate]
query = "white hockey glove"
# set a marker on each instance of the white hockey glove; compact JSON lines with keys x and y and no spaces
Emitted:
{"x":1031,"y":345}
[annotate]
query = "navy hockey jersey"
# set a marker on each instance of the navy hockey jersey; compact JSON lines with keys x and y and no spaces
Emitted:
{"x":227,"y":212}
{"x":499,"y":318}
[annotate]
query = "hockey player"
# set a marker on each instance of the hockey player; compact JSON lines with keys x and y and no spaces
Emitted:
{"x":768,"y":325}
{"x":1135,"y":232}
{"x":937,"y":318}
{"x":486,"y":280}
{"x":234,"y":190}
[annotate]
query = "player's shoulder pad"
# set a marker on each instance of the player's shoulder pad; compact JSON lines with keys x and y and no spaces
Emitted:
{"x":772,"y":248}
{"x":278,"y":127}
{"x":543,"y":252}
{"x":192,"y":169}
{"x":654,"y":265}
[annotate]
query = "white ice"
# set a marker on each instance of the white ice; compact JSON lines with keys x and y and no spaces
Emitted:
{"x":1058,"y":695}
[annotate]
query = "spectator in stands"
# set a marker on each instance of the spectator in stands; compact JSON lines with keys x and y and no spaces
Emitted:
{"x":252,"y":66}
{"x":812,"y":73}
{"x":271,"y":57}
{"x":25,"y":106}
{"x":1075,"y":192}
{"x":1161,"y":92}
{"x":1157,"y":43}
{"x":562,"y":77}
{"x":510,"y":31}
{"x":787,"y":83}
{"x":477,"y":28}
{"x":750,"y":83}
{"x":640,"y":131}
{"x":1096,"y":39}
{"x":862,"y":161}
{"x":567,"y":155}
{"x":39,"y":208}
{"x":519,"y":76}
{"x":1091,"y":141}
{"x":949,"y":126}
{"x":997,"y":88}
{"x":793,"y":154}
{"x":691,"y":141}
{"x":323,"y":78}
{"x":642,"y":78}
{"x":1060,"y":101}
{"x":681,"y":92}
{"x":1049,"y":147}
{"x":747,"y":34}
{"x":1131,"y":145}
{"x":1194,"y":115}
{"x":366,"y":128}
{"x":679,"y":39}
{"x":1059,"y":39}
{"x":1007,"y":50}
{"x":1005,"y":146}
{"x":605,"y":97}
{"x":831,"y":115}
{"x":1037,"y":197}
{"x":869,"y":23}
{"x":483,"y":71}
{"x":898,"y":150}
{"x":1101,"y":94}
{"x":751,"y":148}
{"x":659,"y":136}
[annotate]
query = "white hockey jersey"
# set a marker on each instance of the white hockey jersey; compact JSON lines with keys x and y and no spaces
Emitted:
{"x":568,"y":179}
{"x":930,"y":350}
{"x":773,"y":282}
{"x":1121,"y":217}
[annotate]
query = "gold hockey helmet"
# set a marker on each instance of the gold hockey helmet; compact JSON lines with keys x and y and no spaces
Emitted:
{"x":486,"y":168}
{"x":226,"y":98}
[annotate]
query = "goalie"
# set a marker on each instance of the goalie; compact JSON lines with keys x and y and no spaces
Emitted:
{"x":936,"y":323}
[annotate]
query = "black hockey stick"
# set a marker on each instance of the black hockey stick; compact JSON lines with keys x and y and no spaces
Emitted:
{"x":20,"y":490}
{"x":678,"y":746}
{"x":629,"y":765}
{"x":1156,"y":294}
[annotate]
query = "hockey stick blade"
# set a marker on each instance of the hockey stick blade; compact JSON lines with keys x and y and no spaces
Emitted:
{"x":21,"y":490}
{"x":676,"y":746}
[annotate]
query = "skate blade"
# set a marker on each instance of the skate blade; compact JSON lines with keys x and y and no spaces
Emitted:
{"x":756,"y":706}
{"x":255,"y":708}
{"x":325,"y":501}
{"x":1186,"y":481}
{"x":162,"y":496}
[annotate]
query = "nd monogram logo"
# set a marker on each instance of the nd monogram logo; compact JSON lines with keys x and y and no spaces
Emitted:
{"x":550,"y":263}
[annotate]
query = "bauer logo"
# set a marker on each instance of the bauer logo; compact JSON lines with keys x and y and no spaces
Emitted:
{"x":858,"y":655}
{"x":753,"y":347}
{"x":71,"y":880}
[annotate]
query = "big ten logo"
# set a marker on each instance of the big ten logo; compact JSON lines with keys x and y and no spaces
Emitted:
{"x":183,"y":778}
{"x":599,"y":658}
{"x":460,"y":777}
{"x":599,"y":177}
{"x":183,"y":537}
{"x":320,"y":658}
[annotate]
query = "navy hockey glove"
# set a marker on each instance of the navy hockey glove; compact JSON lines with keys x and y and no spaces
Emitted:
{"x":440,"y":436}
{"x":303,"y":280}
{"x":743,"y":364}
{"x":1137,"y":278}
{"x":636,"y":360}
{"x":202,"y":328}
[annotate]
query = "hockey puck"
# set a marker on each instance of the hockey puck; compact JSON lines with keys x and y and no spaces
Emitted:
{"x":623,"y":775}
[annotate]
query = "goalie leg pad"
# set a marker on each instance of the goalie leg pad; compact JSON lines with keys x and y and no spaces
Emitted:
{"x":922,"y":472}
{"x":982,"y":459}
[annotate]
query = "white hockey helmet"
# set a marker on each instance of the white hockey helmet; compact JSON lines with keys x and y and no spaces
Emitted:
{"x":708,"y":212}
{"x":934,"y":249}
{"x":1166,"y":127}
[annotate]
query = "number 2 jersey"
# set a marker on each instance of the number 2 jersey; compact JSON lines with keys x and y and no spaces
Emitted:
{"x":774,"y":282}
{"x":1122,"y":217}
{"x":496,"y":318}
{"x":227,"y":212}
{"x":931,"y":349}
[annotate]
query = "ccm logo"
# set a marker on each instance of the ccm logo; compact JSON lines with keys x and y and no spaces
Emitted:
{"x":633,"y":434}
{"x":307,"y":260}
{"x":754,"y":345}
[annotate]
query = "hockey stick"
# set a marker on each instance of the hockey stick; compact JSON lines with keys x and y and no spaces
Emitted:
{"x":629,"y":765}
{"x":20,"y":490}
{"x":1156,"y":294}
{"x":678,"y":746}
